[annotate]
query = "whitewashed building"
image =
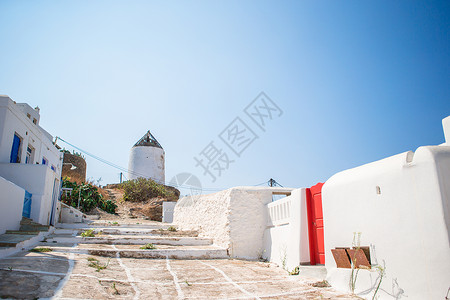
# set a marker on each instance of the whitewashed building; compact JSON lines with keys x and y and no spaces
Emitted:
{"x":147,"y":159}
{"x":30,"y":167}
{"x":400,"y":208}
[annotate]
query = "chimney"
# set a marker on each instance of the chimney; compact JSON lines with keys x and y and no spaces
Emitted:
{"x":446,"y":126}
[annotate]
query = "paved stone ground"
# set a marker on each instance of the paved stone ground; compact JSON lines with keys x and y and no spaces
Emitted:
{"x":68,"y":276}
{"x":71,"y":271}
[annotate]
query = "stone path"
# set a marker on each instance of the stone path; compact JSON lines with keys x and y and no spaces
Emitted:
{"x":75,"y":269}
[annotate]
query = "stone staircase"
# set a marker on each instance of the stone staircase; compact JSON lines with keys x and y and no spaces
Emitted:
{"x":126,"y":240}
{"x":27,"y":224}
{"x":28,"y":230}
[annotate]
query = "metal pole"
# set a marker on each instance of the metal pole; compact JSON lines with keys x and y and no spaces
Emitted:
{"x":120,"y":177}
{"x":79,"y":198}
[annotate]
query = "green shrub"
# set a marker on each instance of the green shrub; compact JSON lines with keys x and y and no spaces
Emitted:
{"x":90,"y":197}
{"x":88,"y":233}
{"x":74,"y":153}
{"x":142,"y":189}
{"x":40,"y":250}
{"x":148,"y":247}
{"x":172,"y":228}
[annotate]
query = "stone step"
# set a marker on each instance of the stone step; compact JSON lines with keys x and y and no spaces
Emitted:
{"x":22,"y":232}
{"x":158,"y":232}
{"x":130,"y":232}
{"x":11,"y":240}
{"x":131,"y":240}
{"x":34,"y":227}
{"x":26,"y":221}
{"x":104,"y":224}
{"x":7,"y":244}
{"x":161,"y":251}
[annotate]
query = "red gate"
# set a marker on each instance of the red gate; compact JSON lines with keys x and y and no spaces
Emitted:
{"x":315,"y":224}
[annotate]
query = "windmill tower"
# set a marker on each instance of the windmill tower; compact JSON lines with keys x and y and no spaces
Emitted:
{"x":147,"y":159}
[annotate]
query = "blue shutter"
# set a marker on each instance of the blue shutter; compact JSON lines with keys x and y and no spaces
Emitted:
{"x":26,"y":212}
{"x":15,"y":150}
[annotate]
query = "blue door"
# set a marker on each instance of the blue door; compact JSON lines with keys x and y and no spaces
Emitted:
{"x":15,"y":150}
{"x":26,"y":212}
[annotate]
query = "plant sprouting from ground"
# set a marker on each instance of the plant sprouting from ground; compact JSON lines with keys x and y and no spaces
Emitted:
{"x":321,"y":284}
{"x":381,"y":270}
{"x":356,"y":246}
{"x":284,"y":259}
{"x":115,"y":290}
{"x":381,"y":273}
{"x":261,"y":257}
{"x":296,"y":271}
{"x":95,"y":263}
{"x":88,"y":233}
{"x":40,"y":250}
{"x":172,"y":228}
{"x":148,"y":247}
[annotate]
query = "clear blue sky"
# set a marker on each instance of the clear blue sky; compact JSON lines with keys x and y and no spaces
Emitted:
{"x":357,"y":80}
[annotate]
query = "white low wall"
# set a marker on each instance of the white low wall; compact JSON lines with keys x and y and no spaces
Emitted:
{"x":70,"y":214}
{"x":168,"y":208}
{"x":206,"y":213}
{"x":286,"y":240}
{"x":235,"y":218}
{"x":11,"y":205}
{"x":401,"y":206}
{"x":39,"y":180}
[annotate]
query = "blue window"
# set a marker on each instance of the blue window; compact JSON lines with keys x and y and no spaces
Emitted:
{"x":29,"y":157}
{"x":15,"y":157}
{"x":44,"y":161}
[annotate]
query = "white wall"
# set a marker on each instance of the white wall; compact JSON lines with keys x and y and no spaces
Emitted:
{"x":286,"y":241}
{"x":168,"y":208}
{"x":407,"y":224}
{"x":28,"y":110}
{"x":39,"y":181}
{"x":70,"y":214}
{"x":206,"y":213}
{"x":14,"y":120}
{"x":11,"y":205}
{"x":148,"y":161}
{"x":235,"y":218}
{"x":247,"y":221}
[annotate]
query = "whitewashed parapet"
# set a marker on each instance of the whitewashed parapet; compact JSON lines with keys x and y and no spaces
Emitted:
{"x":279,"y":212}
{"x":286,"y":240}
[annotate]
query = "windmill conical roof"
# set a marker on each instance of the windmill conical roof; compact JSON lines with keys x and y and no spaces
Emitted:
{"x":148,"y":140}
